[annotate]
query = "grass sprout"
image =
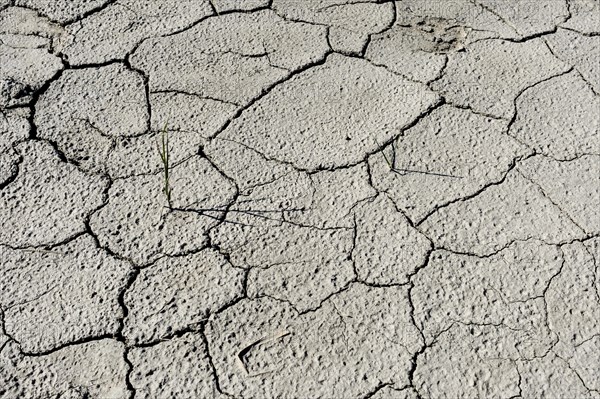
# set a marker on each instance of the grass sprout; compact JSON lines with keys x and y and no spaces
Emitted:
{"x":218,"y":213}
{"x":392,"y":164}
{"x":257,"y":213}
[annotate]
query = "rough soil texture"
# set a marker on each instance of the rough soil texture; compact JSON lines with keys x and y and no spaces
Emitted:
{"x":369,"y":199}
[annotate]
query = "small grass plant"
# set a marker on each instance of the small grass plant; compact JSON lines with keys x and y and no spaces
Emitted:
{"x":163,"y":148}
{"x":392,"y":165}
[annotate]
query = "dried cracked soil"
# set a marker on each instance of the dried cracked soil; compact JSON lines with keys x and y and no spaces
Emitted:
{"x":370,"y":199}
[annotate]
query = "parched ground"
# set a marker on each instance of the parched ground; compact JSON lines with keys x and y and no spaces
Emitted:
{"x":369,"y":199}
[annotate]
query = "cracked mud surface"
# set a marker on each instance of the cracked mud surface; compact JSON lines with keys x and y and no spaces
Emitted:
{"x":370,"y":199}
